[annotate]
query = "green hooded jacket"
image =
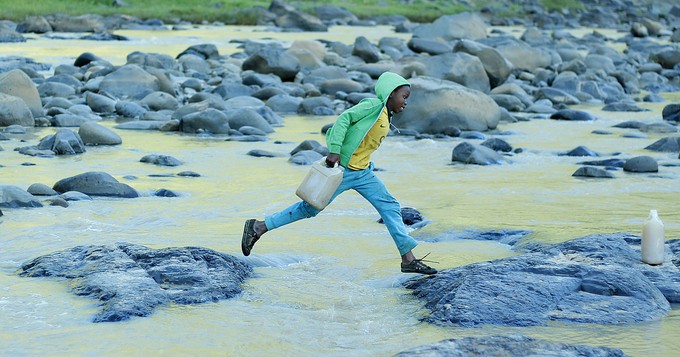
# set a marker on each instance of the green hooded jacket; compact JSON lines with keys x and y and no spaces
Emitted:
{"x":350,"y":128}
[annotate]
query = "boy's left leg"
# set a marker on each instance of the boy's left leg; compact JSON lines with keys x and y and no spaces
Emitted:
{"x":374,"y":190}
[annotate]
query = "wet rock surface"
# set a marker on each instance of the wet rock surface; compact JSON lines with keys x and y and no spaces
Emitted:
{"x":512,"y":345}
{"x":594,"y":279}
{"x":131,"y":280}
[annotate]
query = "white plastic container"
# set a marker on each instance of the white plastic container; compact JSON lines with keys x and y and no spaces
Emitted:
{"x":320,"y":184}
{"x":653,"y":236}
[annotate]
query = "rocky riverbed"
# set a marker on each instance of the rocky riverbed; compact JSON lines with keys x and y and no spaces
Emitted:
{"x":467,"y":80}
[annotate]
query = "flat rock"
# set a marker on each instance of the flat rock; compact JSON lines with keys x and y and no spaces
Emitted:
{"x":131,"y":280}
{"x":594,"y":279}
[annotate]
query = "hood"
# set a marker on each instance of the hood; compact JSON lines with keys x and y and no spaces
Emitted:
{"x":387,"y":83}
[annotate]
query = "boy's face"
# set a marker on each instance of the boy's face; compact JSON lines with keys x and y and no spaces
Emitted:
{"x":396,"y":102}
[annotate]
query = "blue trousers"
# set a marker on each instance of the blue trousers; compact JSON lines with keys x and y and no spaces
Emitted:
{"x":372,"y":189}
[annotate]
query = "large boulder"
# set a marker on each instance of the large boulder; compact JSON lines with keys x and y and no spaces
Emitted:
{"x":9,"y":34}
{"x":641,"y":164}
{"x":468,"y":153}
{"x":288,"y":17}
{"x":95,"y":183}
{"x":271,"y":59}
{"x":462,"y":68}
{"x":211,"y":120}
{"x":453,"y":27}
{"x":95,"y":134}
{"x":525,"y":57}
{"x":248,"y":117}
{"x":669,"y":144}
{"x":131,"y":280}
{"x":129,"y":81}
{"x":17,"y":83}
{"x":15,"y":197}
{"x":14,"y":111}
{"x":436,"y":106}
{"x":100,"y":103}
{"x":82,"y":23}
{"x":34,"y":24}
{"x":597,"y":279}
{"x":671,"y":112}
{"x":63,"y":142}
{"x":497,"y":67}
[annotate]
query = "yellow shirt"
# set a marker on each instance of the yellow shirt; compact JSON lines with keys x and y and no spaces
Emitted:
{"x":361,"y":158}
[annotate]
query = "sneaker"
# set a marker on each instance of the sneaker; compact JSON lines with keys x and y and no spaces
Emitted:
{"x":417,"y":266}
{"x":249,"y":237}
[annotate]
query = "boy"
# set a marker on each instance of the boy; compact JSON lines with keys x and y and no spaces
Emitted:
{"x":356,"y":134}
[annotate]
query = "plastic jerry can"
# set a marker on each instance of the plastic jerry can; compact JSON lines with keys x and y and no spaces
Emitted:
{"x":320,"y":184}
{"x":653,"y":236}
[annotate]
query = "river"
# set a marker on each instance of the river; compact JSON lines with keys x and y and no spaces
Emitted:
{"x":328,"y":286}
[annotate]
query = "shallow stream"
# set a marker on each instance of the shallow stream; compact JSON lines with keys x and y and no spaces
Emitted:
{"x":328,"y":286}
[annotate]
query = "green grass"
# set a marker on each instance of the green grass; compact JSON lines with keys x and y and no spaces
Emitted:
{"x":562,"y":4}
{"x":243,"y":11}
{"x":227,"y":11}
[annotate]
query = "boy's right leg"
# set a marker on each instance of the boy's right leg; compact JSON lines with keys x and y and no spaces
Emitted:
{"x":254,"y":229}
{"x":295,"y":212}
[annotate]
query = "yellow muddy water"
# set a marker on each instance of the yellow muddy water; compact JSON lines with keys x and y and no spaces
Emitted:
{"x":328,"y":286}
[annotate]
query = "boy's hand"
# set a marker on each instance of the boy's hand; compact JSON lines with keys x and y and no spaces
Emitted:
{"x":332,"y":160}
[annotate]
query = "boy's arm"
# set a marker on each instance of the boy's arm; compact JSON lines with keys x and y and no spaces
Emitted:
{"x":337,"y":132}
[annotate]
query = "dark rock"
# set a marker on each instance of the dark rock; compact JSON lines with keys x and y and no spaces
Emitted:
{"x":92,"y":133}
{"x":131,"y":280}
{"x":34,"y":24}
{"x":435,"y":105}
{"x":671,"y":112}
{"x":15,"y":197}
{"x":512,"y":345}
{"x":57,"y":201}
{"x":497,"y":145}
{"x":623,"y":107}
{"x":104,"y":36}
{"x":210,"y":120}
{"x":580,"y":151}
{"x":165,"y":193}
{"x":289,"y":17}
{"x":248,"y":117}
{"x":410,"y":216}
{"x":205,"y":51}
{"x":39,"y":189}
{"x":670,"y":144}
{"x":305,"y":157}
{"x":573,"y":115}
{"x":260,"y":153}
{"x":310,"y":145}
{"x":365,"y":50}
{"x":273,"y":60}
{"x":630,"y":124}
{"x":659,"y":128}
{"x":475,"y":154}
{"x":641,"y":164}
{"x":312,"y":105}
{"x":596,"y":279}
{"x":95,"y":183}
{"x":161,"y":160}
{"x":607,"y":163}
{"x":588,"y":171}
{"x":188,"y":174}
{"x":432,"y":47}
{"x":84,"y":59}
{"x":63,"y":142}
{"x":128,"y":109}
